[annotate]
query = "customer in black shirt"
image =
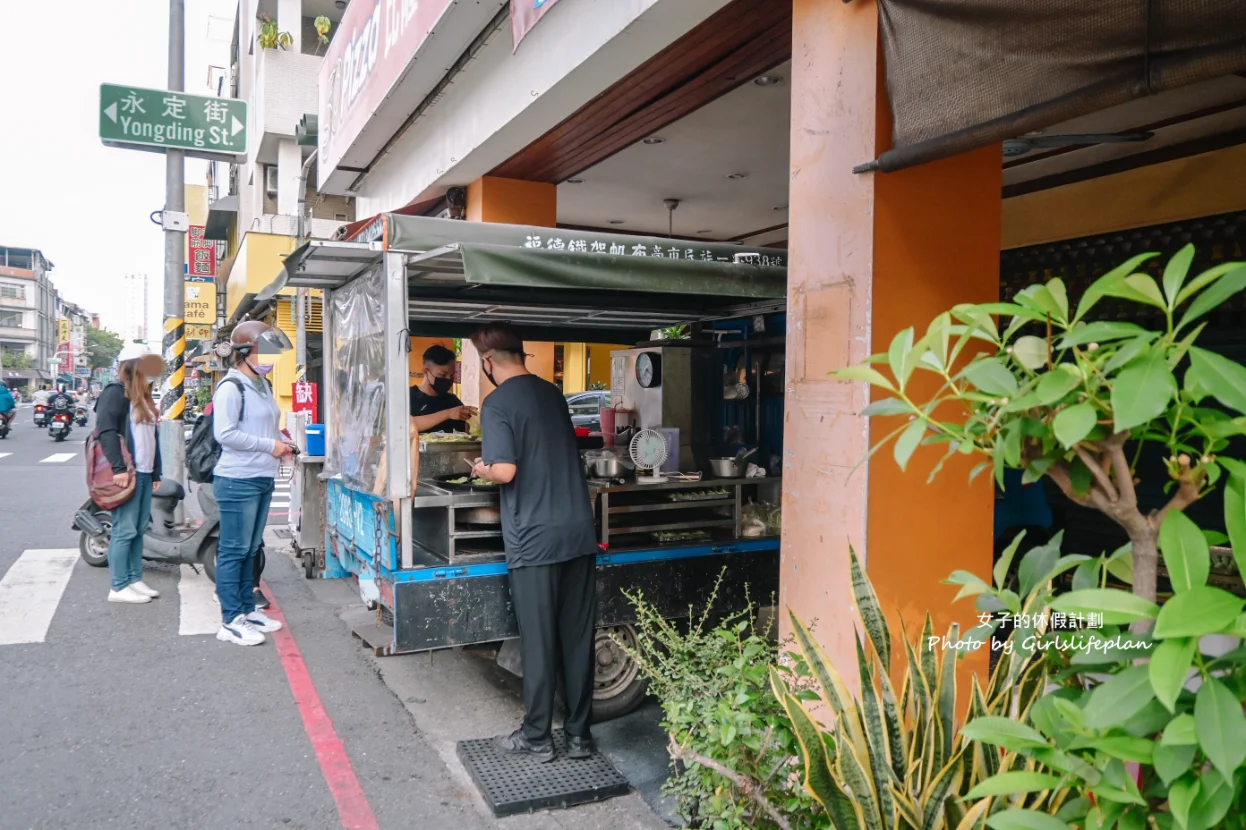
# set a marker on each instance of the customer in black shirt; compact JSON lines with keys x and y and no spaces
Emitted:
{"x":548,"y":531}
{"x":434,"y":408}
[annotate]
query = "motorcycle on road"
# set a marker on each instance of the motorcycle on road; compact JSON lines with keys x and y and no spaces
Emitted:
{"x":41,"y":415}
{"x":164,"y":541}
{"x":6,"y":423}
{"x":80,"y":416}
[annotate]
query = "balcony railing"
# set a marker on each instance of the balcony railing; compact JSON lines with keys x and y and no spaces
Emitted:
{"x":15,"y":333}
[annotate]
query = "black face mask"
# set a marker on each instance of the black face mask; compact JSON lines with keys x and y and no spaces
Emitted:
{"x":487,"y":373}
{"x":442,"y":385}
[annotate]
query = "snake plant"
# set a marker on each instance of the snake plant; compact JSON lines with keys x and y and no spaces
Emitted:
{"x":900,"y":762}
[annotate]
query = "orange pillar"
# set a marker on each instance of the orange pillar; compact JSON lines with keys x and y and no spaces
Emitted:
{"x":513,"y":202}
{"x":871,"y":255}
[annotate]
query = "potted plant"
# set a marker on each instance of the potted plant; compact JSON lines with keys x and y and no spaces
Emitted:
{"x":270,"y":36}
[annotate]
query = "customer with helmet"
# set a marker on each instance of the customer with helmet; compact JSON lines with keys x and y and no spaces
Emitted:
{"x":126,"y":412}
{"x":251,"y":448}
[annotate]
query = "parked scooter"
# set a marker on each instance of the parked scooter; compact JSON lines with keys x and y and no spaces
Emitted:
{"x":163,"y":541}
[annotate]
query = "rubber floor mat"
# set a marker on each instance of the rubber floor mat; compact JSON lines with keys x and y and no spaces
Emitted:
{"x":512,"y":783}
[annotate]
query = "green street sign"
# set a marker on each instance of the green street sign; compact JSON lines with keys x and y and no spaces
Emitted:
{"x":157,"y":120}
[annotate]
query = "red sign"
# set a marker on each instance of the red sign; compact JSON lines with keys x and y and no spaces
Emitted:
{"x":307,"y":399}
{"x":372,"y":47}
{"x":525,"y":14}
{"x":202,"y":262}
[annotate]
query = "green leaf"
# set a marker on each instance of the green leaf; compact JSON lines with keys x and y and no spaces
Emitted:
{"x":908,"y":441}
{"x":1102,"y":331}
{"x":1005,"y":560}
{"x":1117,"y":607}
{"x":1215,"y":796}
{"x":1206,"y":278}
{"x":1201,"y":610}
{"x":991,"y":376}
{"x":1186,"y":553}
{"x":1013,"y":783}
{"x":819,"y":781}
{"x":1119,"y":699}
{"x":1223,"y":379}
{"x":1073,"y":423}
{"x":871,"y":610}
{"x":1169,"y":667}
{"x":1036,"y":567}
{"x":1057,"y":383}
{"x":1175,"y":273}
{"x":1223,"y":289}
{"x":1025,"y":820}
{"x":1125,"y":747}
{"x":863,"y":372}
{"x":898,"y":354}
{"x":1004,"y":732}
{"x":1141,"y":288}
{"x":1180,"y":731}
{"x":887,"y":406}
{"x":1221,"y":726}
{"x":1030,"y":352}
{"x":1127,"y":353}
{"x":1172,"y":762}
{"x":1097,"y":291}
{"x":1181,"y":795}
{"x":1086,"y":577}
{"x":1235,"y":518}
{"x":1142,"y":392}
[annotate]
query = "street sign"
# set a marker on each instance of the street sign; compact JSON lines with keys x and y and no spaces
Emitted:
{"x":156,"y":120}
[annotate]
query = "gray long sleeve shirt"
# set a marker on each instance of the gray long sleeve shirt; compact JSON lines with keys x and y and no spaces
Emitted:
{"x":247,"y":444}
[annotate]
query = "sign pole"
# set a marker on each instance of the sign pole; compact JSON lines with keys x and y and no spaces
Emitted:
{"x":173,"y":402}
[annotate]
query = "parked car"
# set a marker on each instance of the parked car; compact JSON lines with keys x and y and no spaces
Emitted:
{"x":586,"y":408}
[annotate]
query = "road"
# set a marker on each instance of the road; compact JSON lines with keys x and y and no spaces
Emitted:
{"x":136,"y":716}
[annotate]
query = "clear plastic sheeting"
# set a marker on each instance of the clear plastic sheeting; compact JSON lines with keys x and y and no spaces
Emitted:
{"x":357,"y":434}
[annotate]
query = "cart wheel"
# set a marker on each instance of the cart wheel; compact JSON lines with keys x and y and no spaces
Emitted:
{"x":618,"y":687}
{"x":309,"y":564}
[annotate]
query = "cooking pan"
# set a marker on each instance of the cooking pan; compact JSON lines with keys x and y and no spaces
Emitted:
{"x":446,"y":482}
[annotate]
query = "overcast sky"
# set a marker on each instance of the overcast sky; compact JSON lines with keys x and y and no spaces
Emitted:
{"x":86,"y":206}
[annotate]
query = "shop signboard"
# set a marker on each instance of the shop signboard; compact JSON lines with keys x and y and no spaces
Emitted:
{"x":62,"y":331}
{"x":370,"y":51}
{"x":524,"y":15}
{"x":307,"y":399}
{"x":201,"y":255}
{"x":198,"y":331}
{"x":200,"y":302}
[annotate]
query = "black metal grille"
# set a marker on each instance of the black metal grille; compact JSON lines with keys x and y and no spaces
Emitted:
{"x":513,"y":783}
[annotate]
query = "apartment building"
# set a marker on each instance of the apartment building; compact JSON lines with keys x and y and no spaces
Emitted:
{"x":28,"y":331}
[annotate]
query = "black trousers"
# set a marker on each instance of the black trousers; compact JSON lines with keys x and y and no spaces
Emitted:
{"x":556,"y":607}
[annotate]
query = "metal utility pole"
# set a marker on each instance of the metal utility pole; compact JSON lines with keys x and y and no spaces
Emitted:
{"x":302,"y":301}
{"x":173,"y":402}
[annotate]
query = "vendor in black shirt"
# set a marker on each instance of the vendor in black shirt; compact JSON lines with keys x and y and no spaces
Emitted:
{"x":434,"y":408}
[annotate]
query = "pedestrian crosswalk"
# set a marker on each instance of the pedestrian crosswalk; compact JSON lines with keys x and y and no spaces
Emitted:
{"x":281,"y":499}
{"x":59,"y":458}
{"x":4,"y":455}
{"x":32,"y":588}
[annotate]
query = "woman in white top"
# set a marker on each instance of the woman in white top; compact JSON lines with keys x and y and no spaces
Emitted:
{"x":126,"y":412}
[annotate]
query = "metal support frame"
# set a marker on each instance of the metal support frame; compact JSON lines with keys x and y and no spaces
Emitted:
{"x":397,"y":417}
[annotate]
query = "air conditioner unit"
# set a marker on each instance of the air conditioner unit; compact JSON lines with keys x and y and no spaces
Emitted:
{"x":270,"y":180}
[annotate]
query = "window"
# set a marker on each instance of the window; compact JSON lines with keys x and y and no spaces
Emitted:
{"x":10,"y":319}
{"x":13,"y":292}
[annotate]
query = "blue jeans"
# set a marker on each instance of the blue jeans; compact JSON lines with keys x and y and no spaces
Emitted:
{"x":129,"y":523}
{"x":243,"y":505}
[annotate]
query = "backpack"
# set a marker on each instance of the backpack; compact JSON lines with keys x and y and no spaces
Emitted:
{"x":202,"y":450}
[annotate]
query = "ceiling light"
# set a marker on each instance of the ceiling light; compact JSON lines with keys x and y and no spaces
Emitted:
{"x":575,"y":181}
{"x":737,"y":175}
{"x":768,"y":80}
{"x":616,"y":221}
{"x":653,"y":139}
{"x":704,"y":232}
{"x":779,"y":207}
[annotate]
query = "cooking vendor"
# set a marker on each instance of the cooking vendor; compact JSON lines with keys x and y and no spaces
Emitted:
{"x":434,"y":408}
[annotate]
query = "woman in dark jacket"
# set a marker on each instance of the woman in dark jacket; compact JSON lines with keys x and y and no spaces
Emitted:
{"x":126,"y":412}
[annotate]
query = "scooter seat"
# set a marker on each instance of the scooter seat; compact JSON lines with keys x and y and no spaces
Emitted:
{"x":170,"y":490}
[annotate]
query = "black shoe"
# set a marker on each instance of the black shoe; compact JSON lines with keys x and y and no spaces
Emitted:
{"x":579,"y":748}
{"x":261,"y":601}
{"x":518,"y":743}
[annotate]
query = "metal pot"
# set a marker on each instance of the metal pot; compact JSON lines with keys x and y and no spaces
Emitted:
{"x":480,"y":515}
{"x":727,"y":467}
{"x":606,"y":467}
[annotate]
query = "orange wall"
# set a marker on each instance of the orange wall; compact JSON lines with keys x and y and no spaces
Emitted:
{"x":416,"y":357}
{"x":511,"y":201}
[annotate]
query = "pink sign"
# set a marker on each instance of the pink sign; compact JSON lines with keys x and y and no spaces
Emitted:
{"x":524,"y":15}
{"x":373,"y":46}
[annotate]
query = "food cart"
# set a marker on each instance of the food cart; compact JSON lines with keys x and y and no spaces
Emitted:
{"x":425,"y":545}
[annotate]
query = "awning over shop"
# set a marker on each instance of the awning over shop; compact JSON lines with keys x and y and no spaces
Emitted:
{"x":611,"y":285}
{"x":962,"y":74}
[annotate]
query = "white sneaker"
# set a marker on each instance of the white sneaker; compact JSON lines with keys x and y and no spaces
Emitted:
{"x":143,"y":588}
{"x":239,"y":632}
{"x":215,"y":598}
{"x":262,"y":622}
{"x":128,"y":594}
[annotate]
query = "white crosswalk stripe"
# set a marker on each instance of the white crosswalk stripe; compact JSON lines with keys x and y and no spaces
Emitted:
{"x":34,"y":585}
{"x":5,"y":454}
{"x":198,"y":614}
{"x":59,"y":458}
{"x":30,"y":592}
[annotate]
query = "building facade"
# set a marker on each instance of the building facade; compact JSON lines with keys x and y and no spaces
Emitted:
{"x":27,"y":311}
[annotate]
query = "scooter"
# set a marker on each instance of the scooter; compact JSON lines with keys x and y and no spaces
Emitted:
{"x":80,"y":416}
{"x":60,"y":425}
{"x":163,"y":541}
{"x":41,"y":415}
{"x":6,"y":421}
